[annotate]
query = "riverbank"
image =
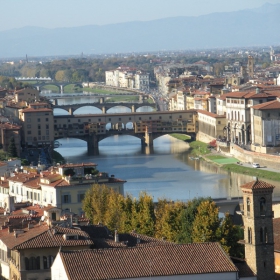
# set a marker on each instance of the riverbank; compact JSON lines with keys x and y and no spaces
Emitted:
{"x":227,"y":163}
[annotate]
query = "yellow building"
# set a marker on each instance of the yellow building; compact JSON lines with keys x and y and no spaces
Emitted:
{"x":28,"y":252}
{"x":37,"y":123}
{"x":26,"y":95}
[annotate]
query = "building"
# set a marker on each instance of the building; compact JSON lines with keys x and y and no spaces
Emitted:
{"x":238,"y":112}
{"x":28,"y":252}
{"x":265,"y":125}
{"x":165,"y":261}
{"x":38,"y":125}
{"x":63,"y":186}
{"x":211,"y":126}
{"x":126,"y":77}
{"x":258,"y":228}
{"x":9,"y":131}
{"x":26,"y":96}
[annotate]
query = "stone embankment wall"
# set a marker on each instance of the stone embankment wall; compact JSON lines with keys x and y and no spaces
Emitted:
{"x":271,"y":161}
{"x":204,"y":137}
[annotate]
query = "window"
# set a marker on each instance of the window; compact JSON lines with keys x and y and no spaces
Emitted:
{"x":39,"y":126}
{"x":38,"y":119}
{"x":81,"y":197}
{"x":248,"y":206}
{"x":66,"y":198}
{"x":29,"y":126}
{"x":48,"y":261}
{"x":262,"y":206}
{"x":47,"y":119}
{"x":29,"y":132}
{"x":47,"y":126}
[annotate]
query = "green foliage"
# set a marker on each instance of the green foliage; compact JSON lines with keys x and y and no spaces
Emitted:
{"x":91,"y":170}
{"x":194,"y":221}
{"x":228,"y":235}
{"x":257,"y":172}
{"x":24,"y":162}
{"x":206,"y":222}
{"x":12,"y":149}
{"x":187,"y":218}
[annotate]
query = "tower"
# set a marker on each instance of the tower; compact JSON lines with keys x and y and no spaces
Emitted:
{"x":258,"y":228}
{"x":250,"y":66}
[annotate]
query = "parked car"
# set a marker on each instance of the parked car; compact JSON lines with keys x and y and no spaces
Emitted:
{"x":255,"y":165}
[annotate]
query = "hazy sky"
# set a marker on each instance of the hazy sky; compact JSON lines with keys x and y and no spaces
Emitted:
{"x":66,"y":13}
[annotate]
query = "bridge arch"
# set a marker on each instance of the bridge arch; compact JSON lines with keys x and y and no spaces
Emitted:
{"x":86,"y":109}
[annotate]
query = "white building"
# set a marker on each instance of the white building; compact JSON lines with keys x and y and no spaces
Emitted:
{"x":58,"y":189}
{"x":126,"y":77}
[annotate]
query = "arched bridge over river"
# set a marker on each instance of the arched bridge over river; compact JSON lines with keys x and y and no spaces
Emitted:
{"x":147,"y":126}
{"x":104,"y":107}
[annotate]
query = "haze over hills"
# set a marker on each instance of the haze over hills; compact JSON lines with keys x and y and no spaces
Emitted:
{"x":256,"y":27}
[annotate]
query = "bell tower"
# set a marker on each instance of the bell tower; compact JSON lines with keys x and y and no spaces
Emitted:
{"x":258,"y":228}
{"x":250,"y":66}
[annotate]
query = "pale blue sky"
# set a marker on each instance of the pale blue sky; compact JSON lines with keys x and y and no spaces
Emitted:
{"x":69,"y":13}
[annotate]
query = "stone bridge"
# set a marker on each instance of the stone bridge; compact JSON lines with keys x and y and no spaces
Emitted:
{"x":146,"y":126}
{"x":104,"y":107}
{"x":60,"y":85}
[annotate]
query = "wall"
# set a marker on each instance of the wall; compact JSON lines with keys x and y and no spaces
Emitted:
{"x":272,"y":161}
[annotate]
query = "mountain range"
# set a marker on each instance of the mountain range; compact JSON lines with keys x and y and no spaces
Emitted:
{"x":244,"y":28}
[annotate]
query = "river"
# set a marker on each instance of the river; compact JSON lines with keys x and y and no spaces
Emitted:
{"x":164,"y":171}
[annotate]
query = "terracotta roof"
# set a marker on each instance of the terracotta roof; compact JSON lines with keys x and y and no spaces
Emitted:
{"x":211,"y":114}
{"x":43,"y":237}
{"x":150,"y":261}
{"x":32,"y":110}
{"x":78,"y":165}
{"x":255,"y":185}
{"x":271,"y":105}
{"x":23,"y":177}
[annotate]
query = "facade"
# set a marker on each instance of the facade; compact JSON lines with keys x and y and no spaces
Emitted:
{"x":28,"y":253}
{"x":266,"y":124}
{"x":58,"y":188}
{"x":258,"y":228}
{"x":9,"y":131}
{"x":177,"y":101}
{"x":238,"y":115}
{"x":211,"y":125}
{"x":165,"y":261}
{"x":26,"y":96}
{"x":37,"y":123}
{"x":126,"y":77}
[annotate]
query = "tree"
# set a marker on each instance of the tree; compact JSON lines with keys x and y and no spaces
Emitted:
{"x":206,"y":223}
{"x":229,"y":235}
{"x":187,"y":218}
{"x":95,"y":203}
{"x":12,"y":149}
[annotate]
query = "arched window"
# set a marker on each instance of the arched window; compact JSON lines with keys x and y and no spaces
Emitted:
{"x":265,"y":235}
{"x":34,"y":263}
{"x":262,"y":206}
{"x":238,"y":116}
{"x":261,"y":235}
{"x":45,"y":263}
{"x":232,"y":115}
{"x":248,"y":206}
{"x":235,"y":115}
{"x":249,"y":236}
{"x":26,"y":263}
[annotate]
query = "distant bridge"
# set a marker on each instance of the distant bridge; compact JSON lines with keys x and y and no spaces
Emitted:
{"x":147,"y":126}
{"x":104,"y":107}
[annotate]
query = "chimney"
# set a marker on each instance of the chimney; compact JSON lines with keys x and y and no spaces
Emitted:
{"x":138,"y":240}
{"x":116,"y":236}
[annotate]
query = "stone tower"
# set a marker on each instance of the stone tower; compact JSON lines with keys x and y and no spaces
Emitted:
{"x":250,"y":66}
{"x":258,"y":228}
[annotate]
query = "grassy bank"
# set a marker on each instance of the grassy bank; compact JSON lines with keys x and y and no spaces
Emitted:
{"x":103,"y":91}
{"x":260,"y":173}
{"x":197,"y":148}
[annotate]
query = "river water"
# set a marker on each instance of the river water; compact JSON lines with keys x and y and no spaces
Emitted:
{"x":163,"y":171}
